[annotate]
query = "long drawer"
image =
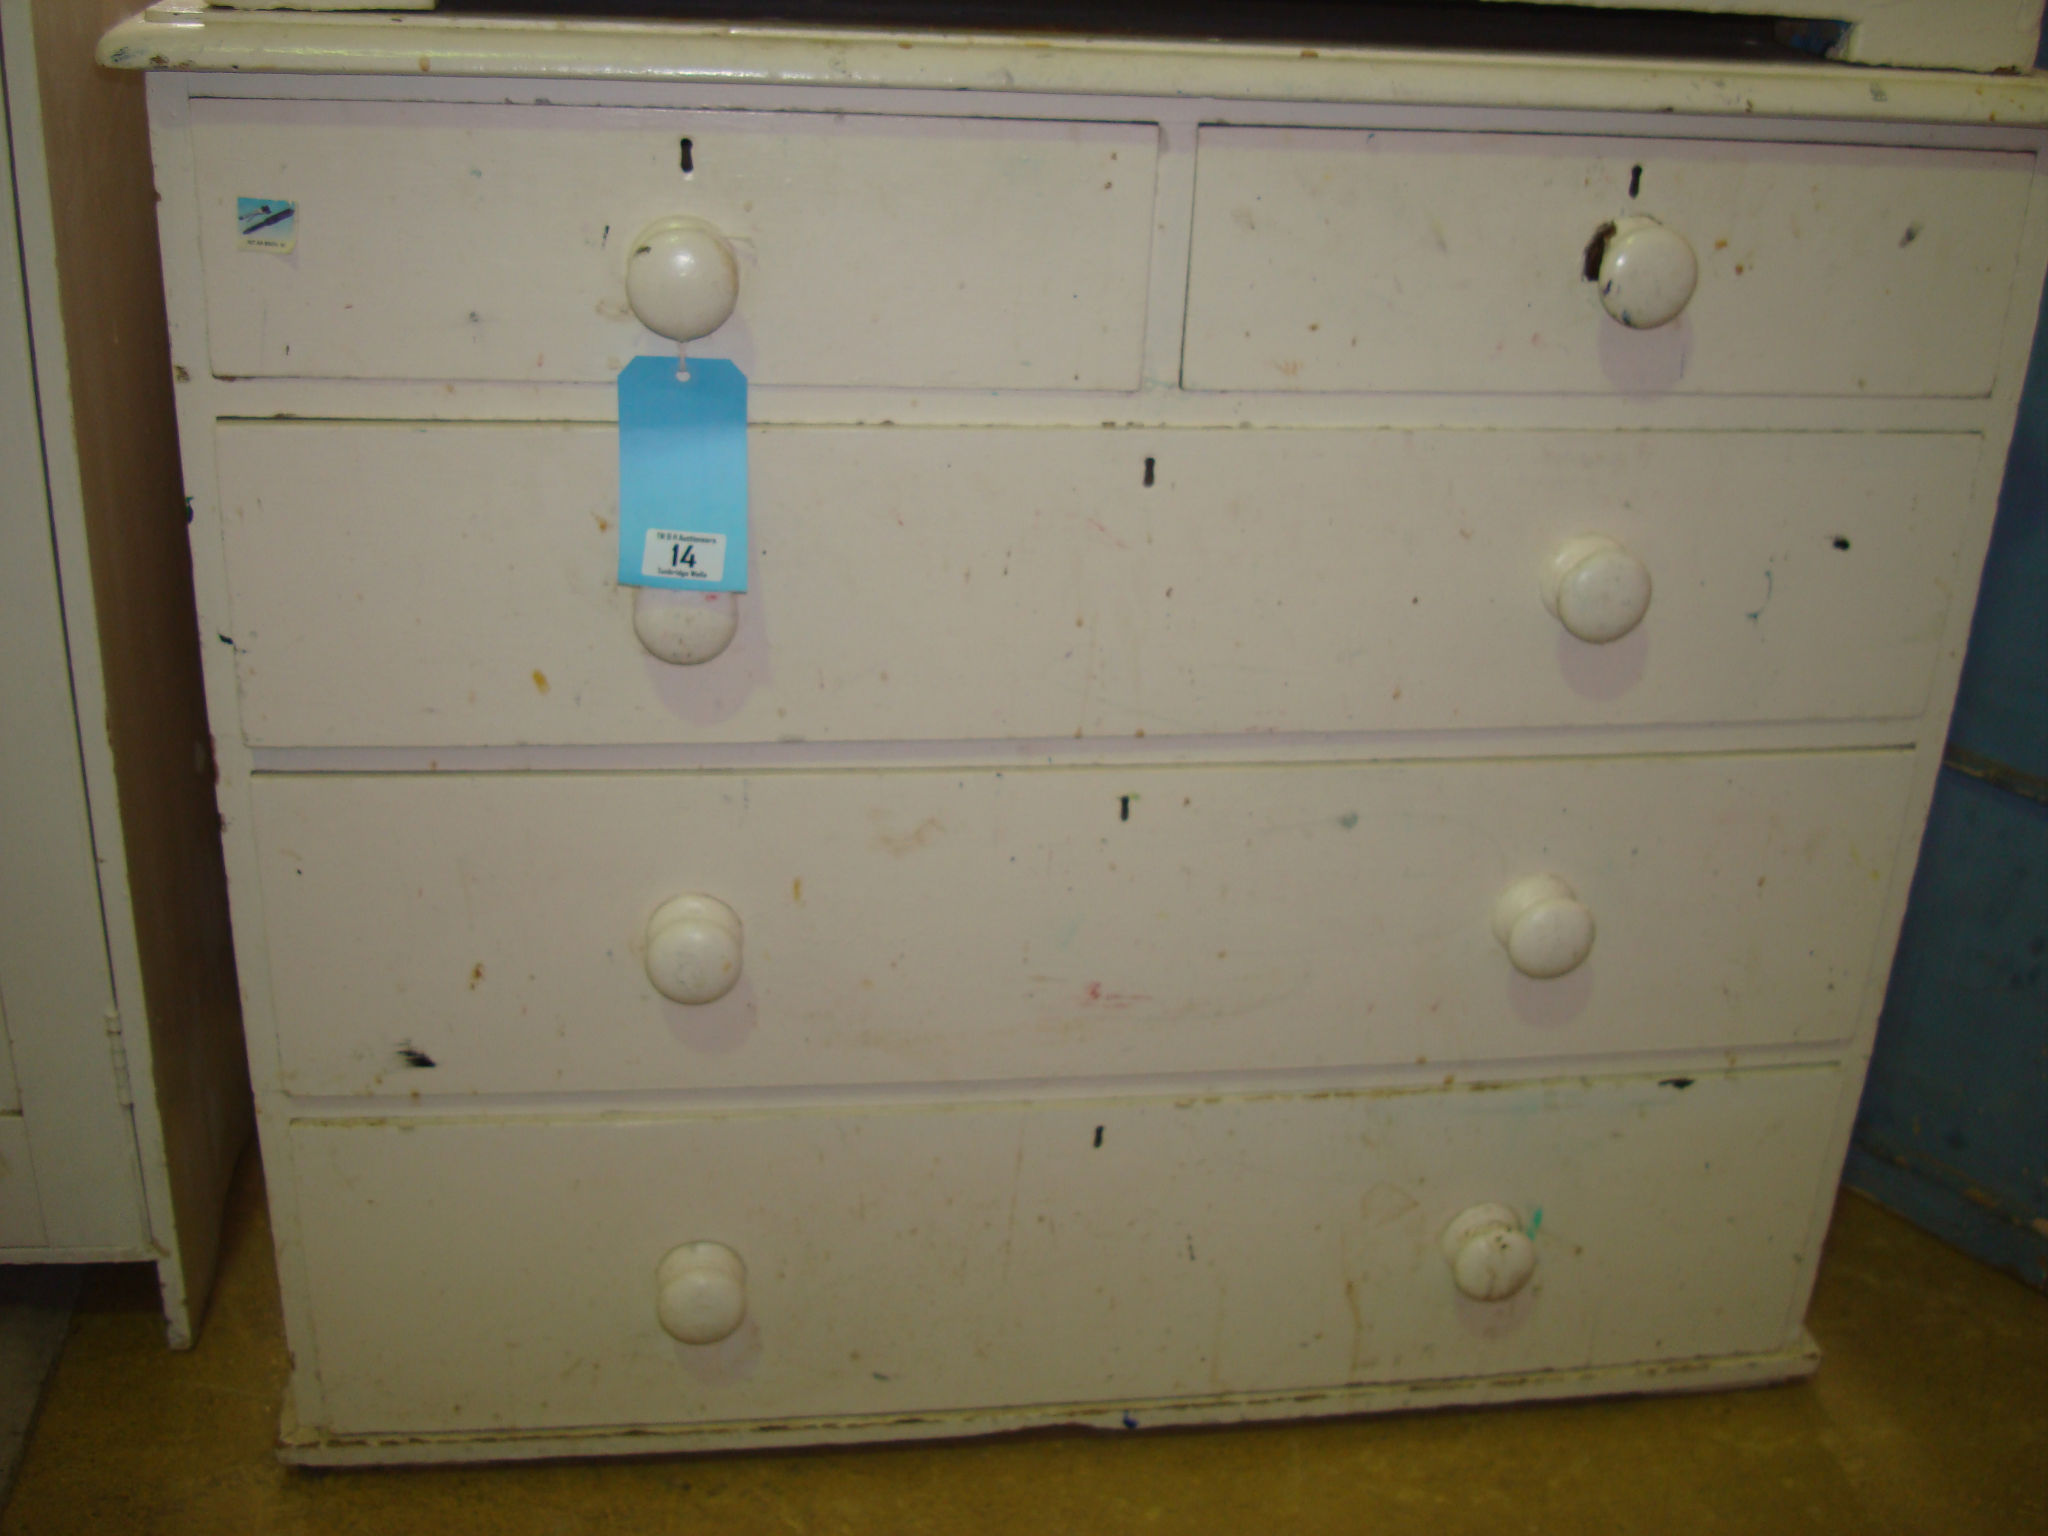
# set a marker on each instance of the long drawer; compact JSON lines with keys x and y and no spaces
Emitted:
{"x":490,"y":242}
{"x":1353,"y":260}
{"x":452,"y":585}
{"x":480,"y":1275}
{"x":450,"y":934}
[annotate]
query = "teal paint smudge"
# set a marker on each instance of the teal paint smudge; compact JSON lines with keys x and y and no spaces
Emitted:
{"x":1770,"y":584}
{"x":1535,"y":1222}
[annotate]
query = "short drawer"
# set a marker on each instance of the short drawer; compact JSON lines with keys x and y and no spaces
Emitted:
{"x":453,"y":585}
{"x":502,"y":1275}
{"x":451,"y":934}
{"x":1352,"y":260}
{"x":490,"y":243}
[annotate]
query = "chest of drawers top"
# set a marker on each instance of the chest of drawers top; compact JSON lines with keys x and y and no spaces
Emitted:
{"x":944,"y":221}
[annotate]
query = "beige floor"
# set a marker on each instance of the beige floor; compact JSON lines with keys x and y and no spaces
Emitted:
{"x":1930,"y":1414}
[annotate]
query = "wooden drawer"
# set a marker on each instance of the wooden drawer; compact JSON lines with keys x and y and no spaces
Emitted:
{"x":492,"y":1274}
{"x":1353,"y":260}
{"x":455,"y":934}
{"x":477,"y":242}
{"x":452,"y":585}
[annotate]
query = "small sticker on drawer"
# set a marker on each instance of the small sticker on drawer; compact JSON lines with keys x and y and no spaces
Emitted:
{"x":266,"y":224}
{"x":683,"y":475}
{"x":686,"y":556}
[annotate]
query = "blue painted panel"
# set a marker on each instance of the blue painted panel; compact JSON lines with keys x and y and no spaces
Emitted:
{"x":2002,"y":708}
{"x":1956,"y":1110}
{"x":1949,"y":1215}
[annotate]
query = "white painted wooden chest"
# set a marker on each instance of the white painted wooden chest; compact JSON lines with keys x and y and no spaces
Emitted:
{"x":1309,"y":803}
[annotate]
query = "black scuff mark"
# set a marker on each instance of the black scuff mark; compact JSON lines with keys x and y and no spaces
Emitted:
{"x":413,"y":1056}
{"x":1912,"y":233}
{"x":1098,"y":1135}
{"x":1680,"y":1083}
{"x":1635,"y":181}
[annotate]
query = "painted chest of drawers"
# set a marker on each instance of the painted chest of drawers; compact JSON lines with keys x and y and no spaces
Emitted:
{"x":1308,"y":806}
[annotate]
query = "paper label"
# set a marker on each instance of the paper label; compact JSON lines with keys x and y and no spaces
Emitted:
{"x":266,"y":224}
{"x":686,"y":556}
{"x":683,"y":476}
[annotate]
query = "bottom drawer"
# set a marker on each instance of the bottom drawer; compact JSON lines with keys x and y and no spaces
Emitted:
{"x":478,"y":1275}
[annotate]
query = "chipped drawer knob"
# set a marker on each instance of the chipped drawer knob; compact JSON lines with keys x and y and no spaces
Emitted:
{"x":1491,"y":1256}
{"x":1646,"y":273}
{"x":1545,"y":928}
{"x":701,"y":1292}
{"x":693,"y":949}
{"x":684,"y":628}
{"x":1596,"y":589}
{"x":682,"y":279}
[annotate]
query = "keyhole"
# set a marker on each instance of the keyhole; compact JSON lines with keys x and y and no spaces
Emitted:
{"x":688,"y":166}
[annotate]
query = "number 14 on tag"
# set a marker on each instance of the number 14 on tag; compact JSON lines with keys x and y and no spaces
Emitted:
{"x":683,"y":556}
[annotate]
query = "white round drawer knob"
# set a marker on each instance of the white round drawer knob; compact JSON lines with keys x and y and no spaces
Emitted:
{"x":681,"y":279}
{"x":693,"y":949}
{"x":1647,"y":272}
{"x":1491,"y":1256}
{"x":1545,"y":928}
{"x":684,"y":628}
{"x":1596,"y":589}
{"x":701,"y":1292}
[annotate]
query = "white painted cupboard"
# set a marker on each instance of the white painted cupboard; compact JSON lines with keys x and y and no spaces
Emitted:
{"x":124,"y":1098}
{"x":1309,"y":805}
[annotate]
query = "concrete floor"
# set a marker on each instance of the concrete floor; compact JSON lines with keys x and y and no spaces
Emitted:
{"x":1930,"y":1413}
{"x":35,"y":1320}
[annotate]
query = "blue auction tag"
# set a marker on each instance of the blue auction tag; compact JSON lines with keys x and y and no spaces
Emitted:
{"x":683,"y":475}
